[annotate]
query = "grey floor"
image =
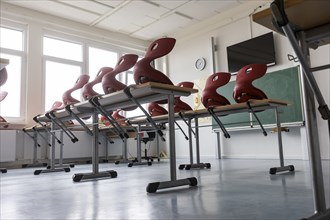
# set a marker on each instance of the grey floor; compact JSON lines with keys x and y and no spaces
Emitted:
{"x":231,"y":189}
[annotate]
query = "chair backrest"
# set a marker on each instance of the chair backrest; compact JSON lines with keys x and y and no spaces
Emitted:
{"x":3,"y":95}
{"x":109,"y":82}
{"x":144,"y":72}
{"x":67,"y":98}
{"x":210,"y":96}
{"x":244,"y":90}
{"x":87,"y":90}
{"x":180,"y":105}
{"x":3,"y":76}
{"x":155,"y":109}
{"x":119,"y":118}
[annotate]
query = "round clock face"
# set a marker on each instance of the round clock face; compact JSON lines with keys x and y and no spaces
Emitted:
{"x":200,"y":63}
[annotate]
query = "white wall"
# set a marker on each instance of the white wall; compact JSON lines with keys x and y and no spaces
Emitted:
{"x":196,"y":43}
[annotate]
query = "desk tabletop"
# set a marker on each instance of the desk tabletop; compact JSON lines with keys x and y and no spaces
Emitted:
{"x":220,"y":110}
{"x":144,"y":93}
{"x":303,"y":14}
{"x":310,"y":16}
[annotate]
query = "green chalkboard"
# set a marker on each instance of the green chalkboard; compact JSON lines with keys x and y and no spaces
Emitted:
{"x":282,"y":85}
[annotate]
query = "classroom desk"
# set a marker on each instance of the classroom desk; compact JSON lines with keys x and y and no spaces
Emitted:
{"x":133,"y":96}
{"x":255,"y":105}
{"x":304,"y":15}
{"x":306,"y":24}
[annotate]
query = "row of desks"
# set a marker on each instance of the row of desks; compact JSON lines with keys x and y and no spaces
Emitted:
{"x":136,"y":96}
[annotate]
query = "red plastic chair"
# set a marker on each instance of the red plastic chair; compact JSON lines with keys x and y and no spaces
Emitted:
{"x":3,"y":95}
{"x":144,"y":72}
{"x":109,"y":82}
{"x":67,"y":97}
{"x":179,"y":105}
{"x":87,"y":90}
{"x":3,"y":76}
{"x":244,"y":89}
{"x":210,"y":96}
{"x":119,"y":118}
{"x":155,"y":109}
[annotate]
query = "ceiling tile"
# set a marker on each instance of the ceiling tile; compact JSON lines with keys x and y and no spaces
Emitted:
{"x":93,"y":6}
{"x":218,"y":6}
{"x":111,"y":3}
{"x":138,"y":13}
{"x":57,"y":9}
{"x":170,"y":4}
{"x":163,"y":27}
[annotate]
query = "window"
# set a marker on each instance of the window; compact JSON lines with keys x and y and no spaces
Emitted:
{"x":12,"y":48}
{"x":99,"y":58}
{"x":66,"y":58}
{"x":62,"y":65}
{"x":59,"y":78}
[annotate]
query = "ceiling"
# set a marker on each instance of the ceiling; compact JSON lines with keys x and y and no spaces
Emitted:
{"x":142,"y":19}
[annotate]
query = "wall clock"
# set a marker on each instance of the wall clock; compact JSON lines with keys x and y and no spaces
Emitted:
{"x":200,"y":64}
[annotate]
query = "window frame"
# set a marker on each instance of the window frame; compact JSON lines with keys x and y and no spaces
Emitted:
{"x":86,"y":44}
{"x":23,"y":55}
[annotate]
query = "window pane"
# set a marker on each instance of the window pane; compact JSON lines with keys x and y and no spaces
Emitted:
{"x":97,"y":59}
{"x":59,"y":78}
{"x":10,"y":106}
{"x":62,"y":49}
{"x":11,"y":39}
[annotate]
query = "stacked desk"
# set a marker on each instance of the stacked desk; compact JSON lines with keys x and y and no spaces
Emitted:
{"x":131,"y":96}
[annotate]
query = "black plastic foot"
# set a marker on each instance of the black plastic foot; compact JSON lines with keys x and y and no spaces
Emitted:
{"x":71,"y":165}
{"x":275,"y":170}
{"x":181,"y":166}
{"x":117,"y":162}
{"x":77,"y":177}
{"x":188,"y":166}
{"x":67,"y":169}
{"x":152,"y":187}
{"x":37,"y":172}
{"x":193,"y":181}
{"x":113,"y":174}
{"x":3,"y":170}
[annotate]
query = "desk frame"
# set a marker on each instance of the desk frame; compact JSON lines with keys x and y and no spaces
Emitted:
{"x":138,"y":95}
{"x":312,"y":34}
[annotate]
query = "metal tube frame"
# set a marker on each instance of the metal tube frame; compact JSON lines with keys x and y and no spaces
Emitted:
{"x":95,"y":174}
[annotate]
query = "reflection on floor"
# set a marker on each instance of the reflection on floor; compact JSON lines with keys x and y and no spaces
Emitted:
{"x":231,"y":189}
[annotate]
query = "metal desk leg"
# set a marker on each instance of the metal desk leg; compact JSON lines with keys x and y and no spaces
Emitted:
{"x":52,"y":167}
{"x":157,"y":149}
{"x":310,"y":88}
{"x":198,"y":164}
{"x":174,"y":182}
{"x":35,"y":162}
{"x":191,"y":152}
{"x":218,"y":144}
{"x":95,"y":158}
{"x":282,"y":168}
{"x":61,"y":155}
